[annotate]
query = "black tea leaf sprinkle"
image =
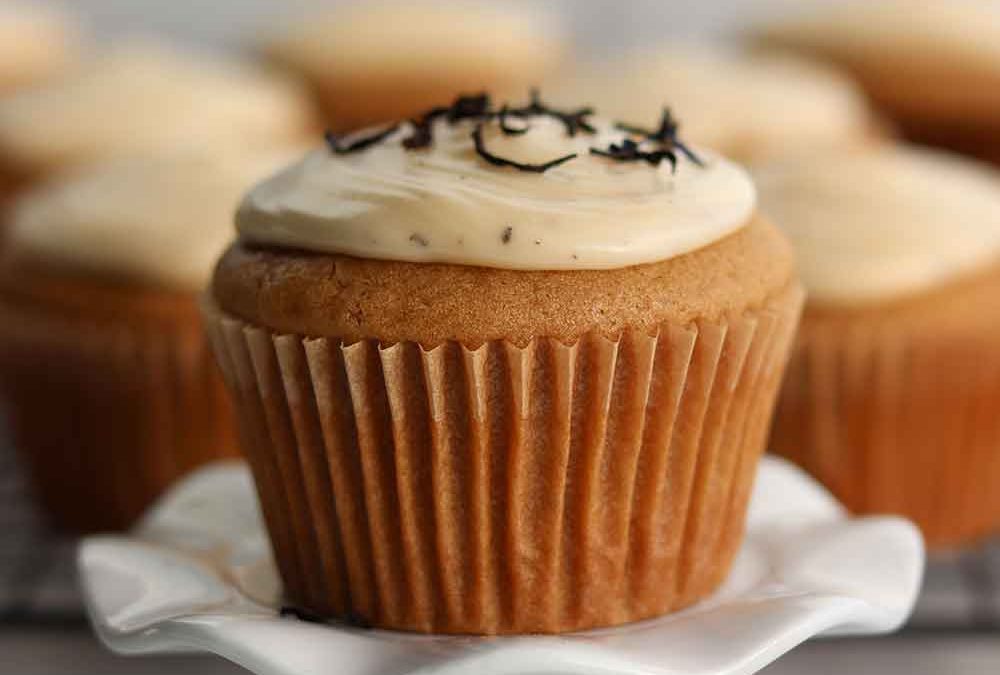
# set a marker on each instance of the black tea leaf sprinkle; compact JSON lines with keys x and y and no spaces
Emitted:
{"x":477,"y":139}
{"x":357,"y":145}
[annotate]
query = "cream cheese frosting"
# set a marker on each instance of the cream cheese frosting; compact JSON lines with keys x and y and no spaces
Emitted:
{"x":876,"y":225}
{"x":447,"y":204}
{"x":745,"y":104}
{"x":422,"y":39}
{"x":144,"y":98}
{"x":162,"y":220}
{"x":36,"y":42}
{"x":961,"y":30}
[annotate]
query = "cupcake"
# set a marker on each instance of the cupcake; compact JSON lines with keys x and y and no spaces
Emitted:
{"x":36,"y":43}
{"x":747,"y":106}
{"x":893,"y":386}
{"x":381,"y":61}
{"x":142,"y":99}
{"x":108,"y":384}
{"x":934,"y":67}
{"x":503,"y":372}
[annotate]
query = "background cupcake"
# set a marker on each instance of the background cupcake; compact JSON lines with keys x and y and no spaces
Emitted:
{"x":489,"y":375}
{"x":143,"y":98}
{"x":892,"y":391}
{"x":36,"y":44}
{"x":934,"y":67}
{"x":381,"y":62}
{"x":747,"y":106}
{"x":108,"y":385}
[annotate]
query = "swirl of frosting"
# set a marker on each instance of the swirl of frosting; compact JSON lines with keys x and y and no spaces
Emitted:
{"x":445,"y":203}
{"x":884,"y":223}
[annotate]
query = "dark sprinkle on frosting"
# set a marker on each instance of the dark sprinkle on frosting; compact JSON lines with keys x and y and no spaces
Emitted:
{"x":339,"y":147}
{"x":665,"y":135}
{"x":495,"y":160}
{"x":508,"y":232}
{"x":644,"y":145}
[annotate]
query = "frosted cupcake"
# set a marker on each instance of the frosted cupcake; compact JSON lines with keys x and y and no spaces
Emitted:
{"x":746,"y":106}
{"x":142,"y":99}
{"x":107,"y":382}
{"x":383,"y":61}
{"x":934,"y":67}
{"x":504,"y":372}
{"x":892,"y":391}
{"x":36,"y":43}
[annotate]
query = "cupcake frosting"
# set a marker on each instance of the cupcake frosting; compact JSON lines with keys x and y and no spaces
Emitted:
{"x":36,"y":41}
{"x":447,"y":203}
{"x":880,"y":224}
{"x":421,"y":38}
{"x":965,"y":30}
{"x":752,"y":105}
{"x":160,"y":220}
{"x":143,"y":98}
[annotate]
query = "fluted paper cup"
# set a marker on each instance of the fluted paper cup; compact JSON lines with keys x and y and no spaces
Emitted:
{"x":900,"y":421}
{"x":498,"y":488}
{"x":107,"y":412}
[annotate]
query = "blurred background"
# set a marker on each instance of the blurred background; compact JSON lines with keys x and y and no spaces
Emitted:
{"x":956,"y":628}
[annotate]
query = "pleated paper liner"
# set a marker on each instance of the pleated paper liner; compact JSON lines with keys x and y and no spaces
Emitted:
{"x":107,"y":414}
{"x":894,"y":422}
{"x":506,"y":489}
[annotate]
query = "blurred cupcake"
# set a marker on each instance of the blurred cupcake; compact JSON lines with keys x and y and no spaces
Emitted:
{"x":503,"y":373}
{"x":933,"y":66}
{"x":748,"y":107}
{"x":379,"y":62}
{"x":36,"y":43}
{"x":110,"y":390}
{"x":142,"y":99}
{"x":892,"y":393}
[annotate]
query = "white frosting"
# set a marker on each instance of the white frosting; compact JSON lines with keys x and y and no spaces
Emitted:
{"x":750,"y":104}
{"x":141,"y":99}
{"x":964,"y":30}
{"x":162,"y":220}
{"x":880,"y":224}
{"x":447,"y":204}
{"x":422,"y":39}
{"x":36,"y":42}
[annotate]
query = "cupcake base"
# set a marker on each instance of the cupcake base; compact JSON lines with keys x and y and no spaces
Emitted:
{"x":894,"y":409}
{"x":496,"y":488}
{"x":108,"y":407}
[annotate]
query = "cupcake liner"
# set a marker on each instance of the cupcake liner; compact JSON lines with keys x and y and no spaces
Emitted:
{"x":898,"y":423}
{"x":499,"y":488}
{"x":107,"y":414}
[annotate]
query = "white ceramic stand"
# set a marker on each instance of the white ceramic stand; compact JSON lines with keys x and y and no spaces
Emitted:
{"x":196,"y":575}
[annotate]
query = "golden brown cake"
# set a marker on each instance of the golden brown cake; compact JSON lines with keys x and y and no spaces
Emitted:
{"x":892,"y":391}
{"x":105,"y":374}
{"x":933,"y":67}
{"x":381,"y":61}
{"x":503,"y":373}
{"x":748,"y":106}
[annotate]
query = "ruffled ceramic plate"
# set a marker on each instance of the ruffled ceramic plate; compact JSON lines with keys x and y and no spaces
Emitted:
{"x":196,"y":575}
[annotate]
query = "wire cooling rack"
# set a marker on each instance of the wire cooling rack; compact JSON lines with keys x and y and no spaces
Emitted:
{"x":37,"y":580}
